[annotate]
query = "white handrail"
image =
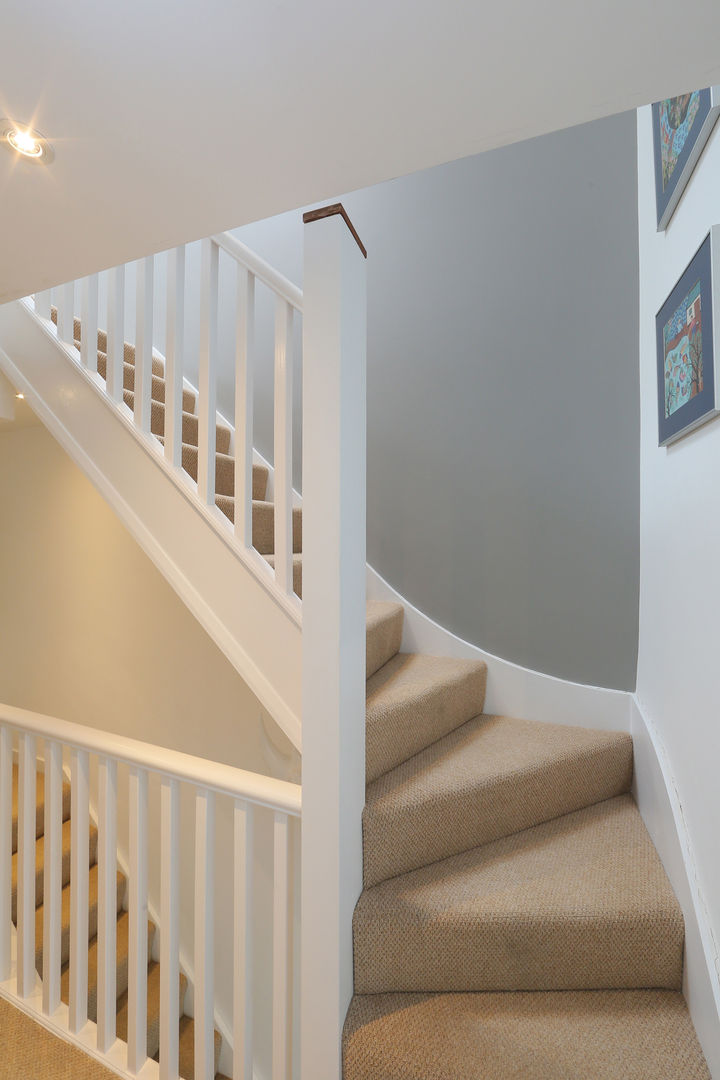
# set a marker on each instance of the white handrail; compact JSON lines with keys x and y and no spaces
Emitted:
{"x":262,"y":270}
{"x":214,"y":775}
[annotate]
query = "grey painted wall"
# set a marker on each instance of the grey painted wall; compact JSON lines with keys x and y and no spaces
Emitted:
{"x":503,"y":409}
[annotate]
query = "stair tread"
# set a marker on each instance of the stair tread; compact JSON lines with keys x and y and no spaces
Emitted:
{"x":633,"y":1034}
{"x":121,"y":964}
{"x":153,"y":1009}
{"x":40,"y":864}
{"x":297,"y":570}
{"x":263,"y":523}
{"x":491,"y":777}
{"x":39,"y":804}
{"x":157,"y":386}
{"x":580,"y":902}
{"x":187,"y":1048}
{"x":224,"y":471}
{"x":65,"y":917}
{"x":414,"y":700}
{"x":383,"y":634}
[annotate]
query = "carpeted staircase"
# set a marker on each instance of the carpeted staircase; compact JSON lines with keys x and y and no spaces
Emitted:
{"x":515,"y":922}
{"x":186,"y":1039}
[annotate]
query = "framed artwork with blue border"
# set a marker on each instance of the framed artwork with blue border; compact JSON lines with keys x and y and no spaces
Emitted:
{"x":681,"y":127}
{"x":688,"y":346}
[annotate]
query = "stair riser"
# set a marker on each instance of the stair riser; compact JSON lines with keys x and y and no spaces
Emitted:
{"x":394,"y":844}
{"x":225,"y":474}
{"x":65,"y":920}
{"x":40,"y":866}
{"x":122,"y":967}
{"x":158,"y":384}
{"x":263,"y":524}
{"x":39,"y":805}
{"x":383,"y":636}
{"x":582,"y":954}
{"x":396,"y":730}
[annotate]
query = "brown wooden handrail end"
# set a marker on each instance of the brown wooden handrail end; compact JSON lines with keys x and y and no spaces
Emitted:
{"x":329,"y":211}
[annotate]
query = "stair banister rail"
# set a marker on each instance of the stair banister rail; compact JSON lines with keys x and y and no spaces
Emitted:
{"x":209,"y":779}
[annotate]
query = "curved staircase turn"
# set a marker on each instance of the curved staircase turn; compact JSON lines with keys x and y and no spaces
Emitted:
{"x":515,"y":921}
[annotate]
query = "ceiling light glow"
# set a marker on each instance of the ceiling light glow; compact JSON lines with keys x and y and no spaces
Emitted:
{"x":21,"y":139}
{"x":25,"y":143}
{"x":20,"y":397}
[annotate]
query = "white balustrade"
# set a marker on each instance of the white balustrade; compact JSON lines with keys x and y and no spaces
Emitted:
{"x":66,"y":304}
{"x":52,"y":879}
{"x":174,"y":349}
{"x":283,"y":445}
{"x":89,"y":323}
{"x":43,"y":304}
{"x":144,"y":342}
{"x":244,"y":377}
{"x":115,"y":333}
{"x":207,"y":372}
{"x":79,"y":886}
{"x":6,"y":846}
{"x":205,"y":781}
{"x":27,"y":818}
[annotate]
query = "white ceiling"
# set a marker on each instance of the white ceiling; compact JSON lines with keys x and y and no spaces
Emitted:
{"x":172,"y":120}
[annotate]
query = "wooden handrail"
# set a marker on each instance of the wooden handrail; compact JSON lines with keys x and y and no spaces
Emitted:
{"x":330,"y":211}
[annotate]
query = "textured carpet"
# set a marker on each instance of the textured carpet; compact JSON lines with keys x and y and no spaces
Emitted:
{"x":29,"y":1052}
{"x":515,"y":922}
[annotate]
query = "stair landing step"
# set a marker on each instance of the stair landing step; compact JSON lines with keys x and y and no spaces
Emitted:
{"x":492,"y":777}
{"x":633,"y":1034}
{"x":581,"y":902}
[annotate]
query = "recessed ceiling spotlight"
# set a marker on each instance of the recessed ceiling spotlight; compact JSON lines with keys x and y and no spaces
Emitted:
{"x":20,"y":397}
{"x":23,"y":141}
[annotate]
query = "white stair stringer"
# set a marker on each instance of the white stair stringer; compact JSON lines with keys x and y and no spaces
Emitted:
{"x":227,"y":589}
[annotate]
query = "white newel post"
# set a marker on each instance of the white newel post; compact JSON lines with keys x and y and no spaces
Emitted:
{"x":333,"y":703}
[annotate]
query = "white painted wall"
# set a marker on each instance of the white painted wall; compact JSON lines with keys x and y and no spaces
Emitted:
{"x":679,"y":637}
{"x":91,"y":632}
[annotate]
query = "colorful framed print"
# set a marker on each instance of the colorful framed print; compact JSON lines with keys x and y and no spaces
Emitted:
{"x":681,"y":127}
{"x":688,"y":346}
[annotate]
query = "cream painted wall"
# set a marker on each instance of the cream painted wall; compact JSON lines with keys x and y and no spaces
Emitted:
{"x":91,"y":632}
{"x":679,"y":637}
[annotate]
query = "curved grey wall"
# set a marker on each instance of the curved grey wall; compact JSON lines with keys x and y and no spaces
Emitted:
{"x":503,"y":410}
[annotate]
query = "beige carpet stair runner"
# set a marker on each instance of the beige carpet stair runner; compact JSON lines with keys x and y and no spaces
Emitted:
{"x":515,"y":922}
{"x":186,"y":1056}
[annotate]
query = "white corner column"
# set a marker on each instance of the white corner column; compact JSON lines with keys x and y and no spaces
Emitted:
{"x":333,"y":704}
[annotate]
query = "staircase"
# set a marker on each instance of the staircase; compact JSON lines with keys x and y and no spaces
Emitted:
{"x":186,"y":1036}
{"x":263,"y":512}
{"x":515,"y":920}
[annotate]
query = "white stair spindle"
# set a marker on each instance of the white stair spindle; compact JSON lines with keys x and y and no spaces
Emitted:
{"x":138,"y":914}
{"x":280,"y":997}
{"x":283,"y":445}
{"x":89,"y":323}
{"x":116,"y":333}
{"x":79,"y":887}
{"x":243,"y":942}
{"x":107,"y":903}
{"x":204,"y":936}
{"x":244,"y":405}
{"x":169,"y":927}
{"x":334,"y":612}
{"x":27,"y":818}
{"x":207,"y":374}
{"x":52,"y":883}
{"x":143,"y":342}
{"x":6,"y":756}
{"x":43,"y":304}
{"x":174,"y":351}
{"x":66,"y":304}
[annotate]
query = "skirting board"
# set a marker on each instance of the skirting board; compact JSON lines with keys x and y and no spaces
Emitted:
{"x":511,"y":690}
{"x":659,"y":803}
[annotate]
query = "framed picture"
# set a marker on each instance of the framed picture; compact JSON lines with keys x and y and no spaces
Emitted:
{"x":681,"y":127}
{"x":688,"y":346}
